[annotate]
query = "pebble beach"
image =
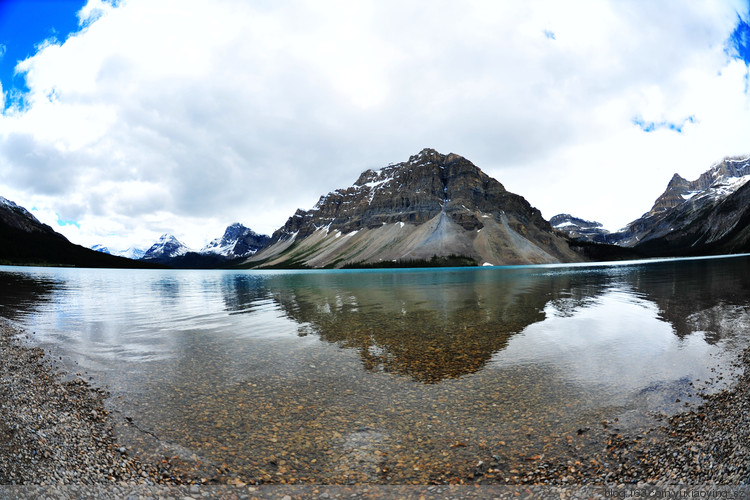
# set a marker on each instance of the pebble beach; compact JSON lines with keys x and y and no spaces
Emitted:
{"x":55,"y":430}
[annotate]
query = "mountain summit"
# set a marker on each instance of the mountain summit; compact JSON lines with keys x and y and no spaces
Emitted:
{"x":26,"y":241}
{"x":710,"y":215}
{"x":431,"y":204}
{"x":237,"y":241}
{"x":168,"y":247}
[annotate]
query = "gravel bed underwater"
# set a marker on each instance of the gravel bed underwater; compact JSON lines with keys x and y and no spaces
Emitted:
{"x":55,"y":430}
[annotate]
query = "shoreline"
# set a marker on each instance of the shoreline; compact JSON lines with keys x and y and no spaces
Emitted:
{"x":56,"y":432}
{"x":53,"y":431}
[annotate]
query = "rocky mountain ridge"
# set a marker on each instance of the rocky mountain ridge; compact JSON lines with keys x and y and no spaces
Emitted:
{"x":166,"y":247}
{"x":578,"y":228}
{"x":27,"y":241}
{"x":237,"y":241}
{"x":130,"y":253}
{"x":679,"y":189}
{"x":440,"y":205}
{"x":431,"y":204}
{"x":18,"y":217}
{"x":703,"y":216}
{"x":684,"y":202}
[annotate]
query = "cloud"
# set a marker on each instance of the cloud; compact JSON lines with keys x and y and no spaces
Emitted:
{"x":183,"y":117}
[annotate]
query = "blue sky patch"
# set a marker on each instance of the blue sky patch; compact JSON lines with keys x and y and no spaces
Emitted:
{"x":651,"y":126}
{"x":62,"y":222}
{"x":738,"y":45}
{"x":24,"y":25}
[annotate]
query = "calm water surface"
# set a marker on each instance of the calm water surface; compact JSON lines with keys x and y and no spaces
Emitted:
{"x":388,"y":376}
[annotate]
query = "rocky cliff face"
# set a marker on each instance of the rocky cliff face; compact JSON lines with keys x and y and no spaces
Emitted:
{"x":168,"y":247}
{"x":431,"y":204}
{"x":26,"y":241}
{"x":18,"y":217}
{"x":683,"y":205}
{"x":237,"y":241}
{"x":705,"y":224}
{"x":580,"y":229}
{"x":679,"y":189}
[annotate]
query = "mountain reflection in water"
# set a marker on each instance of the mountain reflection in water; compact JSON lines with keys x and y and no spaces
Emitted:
{"x":410,"y":326}
{"x":347,"y":373}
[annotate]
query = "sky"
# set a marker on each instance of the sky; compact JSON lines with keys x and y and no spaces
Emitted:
{"x":125,"y":120}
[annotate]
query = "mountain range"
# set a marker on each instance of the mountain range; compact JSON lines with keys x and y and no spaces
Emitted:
{"x":26,"y":241}
{"x":130,"y":253}
{"x":709,"y":215}
{"x":237,"y":242}
{"x":432,"y":209}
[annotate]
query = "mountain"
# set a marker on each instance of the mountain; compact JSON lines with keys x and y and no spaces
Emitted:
{"x":166,"y":248}
{"x":130,"y":253}
{"x":430,"y":205}
{"x":101,"y":248}
{"x":705,"y":225}
{"x":17,"y":217}
{"x":707,"y":215}
{"x":26,"y":241}
{"x":237,"y":241}
{"x":580,"y":229}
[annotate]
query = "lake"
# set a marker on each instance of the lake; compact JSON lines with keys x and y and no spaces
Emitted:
{"x":388,"y":376}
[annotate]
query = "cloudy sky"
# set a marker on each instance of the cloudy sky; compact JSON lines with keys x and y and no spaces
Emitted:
{"x":125,"y":120}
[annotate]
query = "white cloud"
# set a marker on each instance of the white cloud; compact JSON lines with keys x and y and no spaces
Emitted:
{"x":186,"y":116}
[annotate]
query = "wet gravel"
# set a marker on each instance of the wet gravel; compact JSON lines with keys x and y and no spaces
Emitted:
{"x":706,"y":445}
{"x":55,"y":430}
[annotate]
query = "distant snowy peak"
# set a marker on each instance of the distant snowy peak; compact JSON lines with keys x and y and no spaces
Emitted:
{"x":132,"y":253}
{"x":101,"y":248}
{"x":685,"y":206}
{"x":578,"y":228}
{"x":566,"y":220}
{"x":166,"y":248}
{"x":237,"y":241}
{"x":719,"y":181}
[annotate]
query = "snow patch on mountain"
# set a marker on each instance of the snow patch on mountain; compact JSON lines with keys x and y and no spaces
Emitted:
{"x":101,"y":248}
{"x":18,"y":209}
{"x":167,"y":247}
{"x":237,"y":241}
{"x":131,"y":253}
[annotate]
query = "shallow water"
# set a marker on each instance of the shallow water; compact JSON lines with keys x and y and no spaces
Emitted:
{"x":388,"y":376}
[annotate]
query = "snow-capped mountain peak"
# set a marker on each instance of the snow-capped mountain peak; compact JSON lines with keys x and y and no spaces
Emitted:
{"x":719,"y":181}
{"x":18,"y":209}
{"x":166,"y":247}
{"x":237,"y":241}
{"x":131,"y":253}
{"x":100,"y":248}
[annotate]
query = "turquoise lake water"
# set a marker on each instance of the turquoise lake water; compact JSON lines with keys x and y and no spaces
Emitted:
{"x":390,"y":376}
